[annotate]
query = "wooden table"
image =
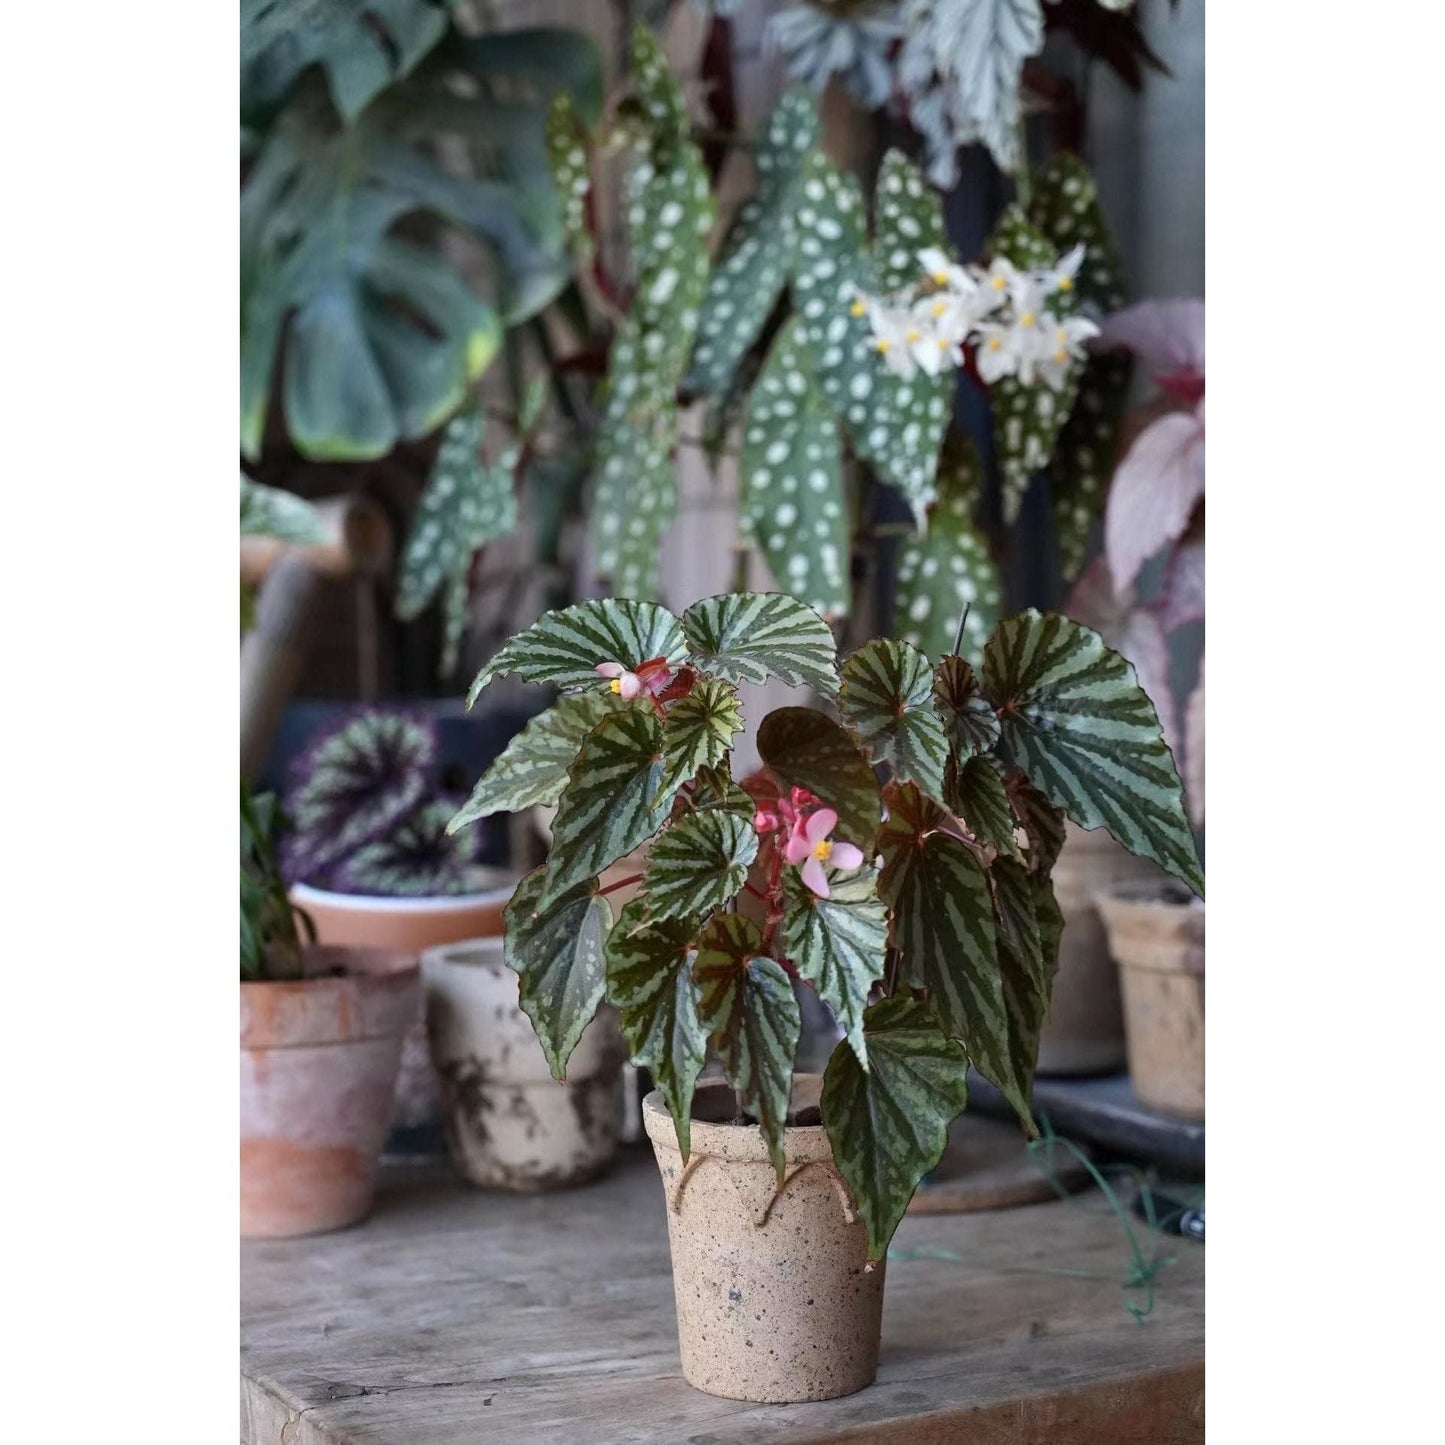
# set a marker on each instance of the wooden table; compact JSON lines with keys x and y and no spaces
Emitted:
{"x":454,"y":1316}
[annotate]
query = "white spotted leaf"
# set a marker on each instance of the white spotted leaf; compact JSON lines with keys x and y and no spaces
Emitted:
{"x":271,"y":512}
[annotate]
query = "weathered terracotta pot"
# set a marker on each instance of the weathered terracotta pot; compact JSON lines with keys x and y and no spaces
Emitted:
{"x":412,"y":925}
{"x":773,"y":1301}
{"x":318,"y":1076}
{"x":1084,"y":1032}
{"x":1157,"y":934}
{"x":509,"y":1123}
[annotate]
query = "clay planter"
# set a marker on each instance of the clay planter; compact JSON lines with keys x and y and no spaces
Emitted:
{"x":773,"y":1301}
{"x":1084,"y":1032}
{"x":412,"y":925}
{"x":319,"y":1060}
{"x":1157,"y":935}
{"x":509,"y":1123}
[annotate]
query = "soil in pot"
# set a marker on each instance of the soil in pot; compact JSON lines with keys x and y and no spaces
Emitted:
{"x":509,"y":1123}
{"x":1084,"y":1032}
{"x":319,"y":1060}
{"x":774,"y":1303}
{"x":1156,"y":932}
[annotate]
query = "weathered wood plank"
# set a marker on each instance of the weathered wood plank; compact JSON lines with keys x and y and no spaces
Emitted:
{"x":454,"y":1316}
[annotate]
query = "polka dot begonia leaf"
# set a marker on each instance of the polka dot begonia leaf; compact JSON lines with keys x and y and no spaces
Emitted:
{"x":950,"y":567}
{"x":635,"y":498}
{"x":895,"y":423}
{"x":757,"y":256}
{"x":792,"y":505}
{"x":571,"y":175}
{"x":466,"y":504}
{"x":1065,"y":208}
{"x":1027,"y":420}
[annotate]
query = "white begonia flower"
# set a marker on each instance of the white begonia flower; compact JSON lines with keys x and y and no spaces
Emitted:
{"x":891,"y":337}
{"x":933,"y":337}
{"x":1062,"y":345}
{"x":997,"y":353}
{"x":1061,"y":277}
{"x":943,"y":271}
{"x":998,"y":283}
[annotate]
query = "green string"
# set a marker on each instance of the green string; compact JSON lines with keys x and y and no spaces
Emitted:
{"x":1142,"y":1270}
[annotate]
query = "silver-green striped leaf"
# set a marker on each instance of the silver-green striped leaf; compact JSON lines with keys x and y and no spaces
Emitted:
{"x":889,"y":1124}
{"x":753,"y":266}
{"x":715,"y":788}
{"x":699,"y":729}
{"x":974,"y":792}
{"x":557,"y":953}
{"x":805,"y":749}
{"x":1075,"y":720}
{"x":750,"y":636}
{"x":895,"y":423}
{"x":968,"y":717}
{"x":749,"y":1008}
{"x":650,"y":983}
{"x":614,"y":800}
{"x":949,"y":569}
{"x":565,"y":646}
{"x":270,"y":512}
{"x":886,"y":697}
{"x":838,"y":944}
{"x":698,"y":862}
{"x":532,"y":768}
{"x":465,"y":505}
{"x":792,"y":491}
{"x":943,"y":923}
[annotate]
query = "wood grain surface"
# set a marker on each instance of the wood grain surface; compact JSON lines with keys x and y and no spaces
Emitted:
{"x":456,"y":1315}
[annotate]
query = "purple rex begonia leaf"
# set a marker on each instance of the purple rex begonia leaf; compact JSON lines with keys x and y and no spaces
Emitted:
{"x":1154,"y":492}
{"x":1181,"y":598}
{"x":1194,"y":751}
{"x":1167,"y":336}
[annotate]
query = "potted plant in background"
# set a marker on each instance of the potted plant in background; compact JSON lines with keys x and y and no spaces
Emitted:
{"x":321,"y":1035}
{"x":920,"y":911}
{"x":1154,"y":524}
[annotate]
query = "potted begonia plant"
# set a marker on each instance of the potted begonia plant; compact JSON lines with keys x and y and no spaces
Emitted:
{"x":321,"y":1036}
{"x":919,"y":908}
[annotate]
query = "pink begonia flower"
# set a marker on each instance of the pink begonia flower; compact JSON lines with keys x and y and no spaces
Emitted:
{"x":811,"y":846}
{"x":1161,"y":478}
{"x":785,"y":811}
{"x":651,"y":677}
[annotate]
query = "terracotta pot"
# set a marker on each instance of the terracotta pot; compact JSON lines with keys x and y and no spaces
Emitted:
{"x":319,"y":1059}
{"x":509,"y":1123}
{"x":411,"y":924}
{"x":1084,"y":1032}
{"x":773,"y":1301}
{"x":1157,"y":934}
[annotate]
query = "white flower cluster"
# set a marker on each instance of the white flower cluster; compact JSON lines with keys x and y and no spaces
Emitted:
{"x":1004,"y":312}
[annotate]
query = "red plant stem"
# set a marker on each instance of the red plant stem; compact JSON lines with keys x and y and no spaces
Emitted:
{"x":624,"y":883}
{"x":774,"y":899}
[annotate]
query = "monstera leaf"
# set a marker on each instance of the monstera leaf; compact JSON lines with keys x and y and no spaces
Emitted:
{"x":532,"y":768}
{"x":757,"y":255}
{"x":887,"y":699}
{"x":748,"y":1007}
{"x":807,"y":750}
{"x":558,"y":955}
{"x":650,"y":982}
{"x":565,"y":646}
{"x":791,"y":483}
{"x":698,"y":863}
{"x":949,"y":572}
{"x":838,"y":944}
{"x":888,"y":1124}
{"x":363,"y":46}
{"x":750,"y":636}
{"x":270,"y":512}
{"x":1074,"y":719}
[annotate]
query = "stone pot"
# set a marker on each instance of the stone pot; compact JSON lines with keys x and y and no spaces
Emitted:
{"x":774,"y":1303}
{"x":1156,"y":932}
{"x":509,"y":1123}
{"x":319,"y":1058}
{"x":1084,"y":1032}
{"x":412,"y":925}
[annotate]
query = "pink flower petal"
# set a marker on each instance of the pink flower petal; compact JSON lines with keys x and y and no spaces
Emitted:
{"x":819,"y":825}
{"x":764,"y":821}
{"x":1167,"y":336}
{"x":1154,"y":493}
{"x":631,"y":685}
{"x":845,"y":855}
{"x":799,"y":847}
{"x":815,"y":878}
{"x":610,"y":669}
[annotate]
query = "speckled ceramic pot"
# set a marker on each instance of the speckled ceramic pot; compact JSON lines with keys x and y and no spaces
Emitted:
{"x":774,"y":1303}
{"x":509,"y":1123}
{"x":319,"y":1059}
{"x":1157,"y":934}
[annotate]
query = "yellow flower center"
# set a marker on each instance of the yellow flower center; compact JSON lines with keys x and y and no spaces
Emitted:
{"x":939,"y":308}
{"x":857,"y":308}
{"x":1066,"y":283}
{"x":823,"y":851}
{"x":940,"y":278}
{"x":994,"y":343}
{"x":883,"y":343}
{"x":1027,"y":319}
{"x":943,"y":343}
{"x":615,"y":685}
{"x":1061,"y":355}
{"x":1061,"y":336}
{"x":912,"y":334}
{"x":998,"y":283}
